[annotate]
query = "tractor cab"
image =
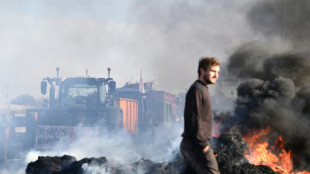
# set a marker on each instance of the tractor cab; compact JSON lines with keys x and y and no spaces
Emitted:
{"x":90,"y":92}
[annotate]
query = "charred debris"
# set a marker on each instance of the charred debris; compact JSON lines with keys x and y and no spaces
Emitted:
{"x":228,"y":148}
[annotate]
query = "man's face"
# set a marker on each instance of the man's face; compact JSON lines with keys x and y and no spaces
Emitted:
{"x":210,"y":75}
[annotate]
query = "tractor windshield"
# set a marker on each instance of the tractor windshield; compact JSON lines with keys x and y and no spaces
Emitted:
{"x":80,"y":91}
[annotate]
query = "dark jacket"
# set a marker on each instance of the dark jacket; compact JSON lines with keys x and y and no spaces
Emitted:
{"x":198,"y":115}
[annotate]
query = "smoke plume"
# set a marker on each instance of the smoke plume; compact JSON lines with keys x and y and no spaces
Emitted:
{"x":275,"y":104}
{"x":38,"y":36}
{"x":275,"y":76}
{"x":119,"y":147}
{"x":254,"y":61}
{"x":286,"y":18}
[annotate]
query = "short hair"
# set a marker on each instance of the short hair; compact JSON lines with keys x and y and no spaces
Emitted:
{"x":204,"y":62}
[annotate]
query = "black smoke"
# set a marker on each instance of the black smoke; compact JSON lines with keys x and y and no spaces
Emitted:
{"x":254,"y":60}
{"x":274,"y":91}
{"x":275,"y":104}
{"x":288,"y":19}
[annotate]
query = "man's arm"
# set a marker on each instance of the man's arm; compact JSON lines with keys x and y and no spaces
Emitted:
{"x":200,"y":134}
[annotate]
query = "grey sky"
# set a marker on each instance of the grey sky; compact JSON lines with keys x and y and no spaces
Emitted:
{"x":164,"y":39}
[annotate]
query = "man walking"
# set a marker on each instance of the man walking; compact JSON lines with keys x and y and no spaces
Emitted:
{"x":197,"y":133}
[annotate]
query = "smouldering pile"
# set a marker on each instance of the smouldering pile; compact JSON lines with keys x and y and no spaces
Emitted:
{"x":229,"y":149}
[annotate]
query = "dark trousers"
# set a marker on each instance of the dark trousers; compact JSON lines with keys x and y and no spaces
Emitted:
{"x":196,"y":160}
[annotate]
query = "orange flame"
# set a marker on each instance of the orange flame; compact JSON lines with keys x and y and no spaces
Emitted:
{"x":274,"y":156}
{"x":216,"y":132}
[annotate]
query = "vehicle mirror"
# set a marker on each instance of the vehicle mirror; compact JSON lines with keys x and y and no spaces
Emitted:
{"x":43,"y":87}
{"x":112,"y":86}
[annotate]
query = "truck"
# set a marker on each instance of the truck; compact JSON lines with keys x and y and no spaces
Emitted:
{"x":82,"y":104}
{"x":156,"y":107}
{"x":75,"y":104}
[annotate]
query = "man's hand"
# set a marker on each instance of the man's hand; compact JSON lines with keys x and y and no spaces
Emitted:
{"x":205,"y":150}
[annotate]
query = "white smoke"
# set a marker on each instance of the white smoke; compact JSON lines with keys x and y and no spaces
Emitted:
{"x":13,"y":167}
{"x":91,"y":169}
{"x":38,"y":36}
{"x":120,"y":148}
{"x":9,"y":171}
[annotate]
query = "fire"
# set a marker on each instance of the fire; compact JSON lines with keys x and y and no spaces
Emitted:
{"x":274,"y":156}
{"x":216,"y":132}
